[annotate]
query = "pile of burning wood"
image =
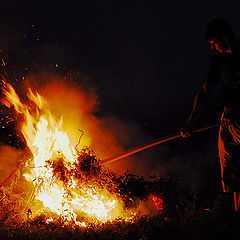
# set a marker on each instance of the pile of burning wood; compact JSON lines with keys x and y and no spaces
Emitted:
{"x":59,"y":181}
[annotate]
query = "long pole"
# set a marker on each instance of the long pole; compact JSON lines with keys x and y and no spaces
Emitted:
{"x":159,"y":141}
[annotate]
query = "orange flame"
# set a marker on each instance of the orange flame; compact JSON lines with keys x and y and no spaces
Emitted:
{"x":50,"y":144}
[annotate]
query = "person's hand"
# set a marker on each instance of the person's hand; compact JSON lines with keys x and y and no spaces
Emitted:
{"x":185,"y":132}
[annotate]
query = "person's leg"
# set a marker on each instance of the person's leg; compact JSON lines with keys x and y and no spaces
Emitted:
{"x":236,"y":219}
{"x":227,"y":202}
{"x":224,"y":156}
{"x":237,"y":201}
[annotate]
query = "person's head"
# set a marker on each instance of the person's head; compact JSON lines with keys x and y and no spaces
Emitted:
{"x":221,"y":36}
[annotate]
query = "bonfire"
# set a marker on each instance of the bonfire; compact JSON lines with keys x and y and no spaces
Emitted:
{"x":62,"y":180}
{"x":59,"y":187}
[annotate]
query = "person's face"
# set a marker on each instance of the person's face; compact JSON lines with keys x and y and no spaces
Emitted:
{"x":222,"y":45}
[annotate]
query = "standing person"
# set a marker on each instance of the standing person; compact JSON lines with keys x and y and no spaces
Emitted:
{"x":224,"y":69}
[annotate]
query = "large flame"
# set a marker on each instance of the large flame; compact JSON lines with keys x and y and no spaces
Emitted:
{"x":63,"y":194}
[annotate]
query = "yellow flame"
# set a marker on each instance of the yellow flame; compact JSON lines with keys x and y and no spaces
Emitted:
{"x":50,"y":145}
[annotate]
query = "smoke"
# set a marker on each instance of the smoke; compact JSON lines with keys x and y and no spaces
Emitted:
{"x":106,"y":135}
{"x":76,"y":101}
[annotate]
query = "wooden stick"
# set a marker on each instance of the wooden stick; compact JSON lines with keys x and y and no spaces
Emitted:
{"x":143,"y":147}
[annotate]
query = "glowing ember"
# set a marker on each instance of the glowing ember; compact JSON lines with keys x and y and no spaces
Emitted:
{"x":49,"y":220}
{"x":58,"y":186}
{"x":156,"y":201}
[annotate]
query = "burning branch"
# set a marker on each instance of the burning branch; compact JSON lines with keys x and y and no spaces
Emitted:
{"x":64,"y":180}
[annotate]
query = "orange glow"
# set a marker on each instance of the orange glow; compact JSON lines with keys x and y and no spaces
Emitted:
{"x":66,"y":195}
{"x":156,"y":201}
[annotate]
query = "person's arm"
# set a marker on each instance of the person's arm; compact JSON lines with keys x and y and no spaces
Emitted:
{"x":200,"y":104}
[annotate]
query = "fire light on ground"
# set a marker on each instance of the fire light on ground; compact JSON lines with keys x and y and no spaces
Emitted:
{"x":58,"y":185}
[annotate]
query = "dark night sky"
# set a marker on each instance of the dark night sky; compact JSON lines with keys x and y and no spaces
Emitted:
{"x":147,"y":59}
